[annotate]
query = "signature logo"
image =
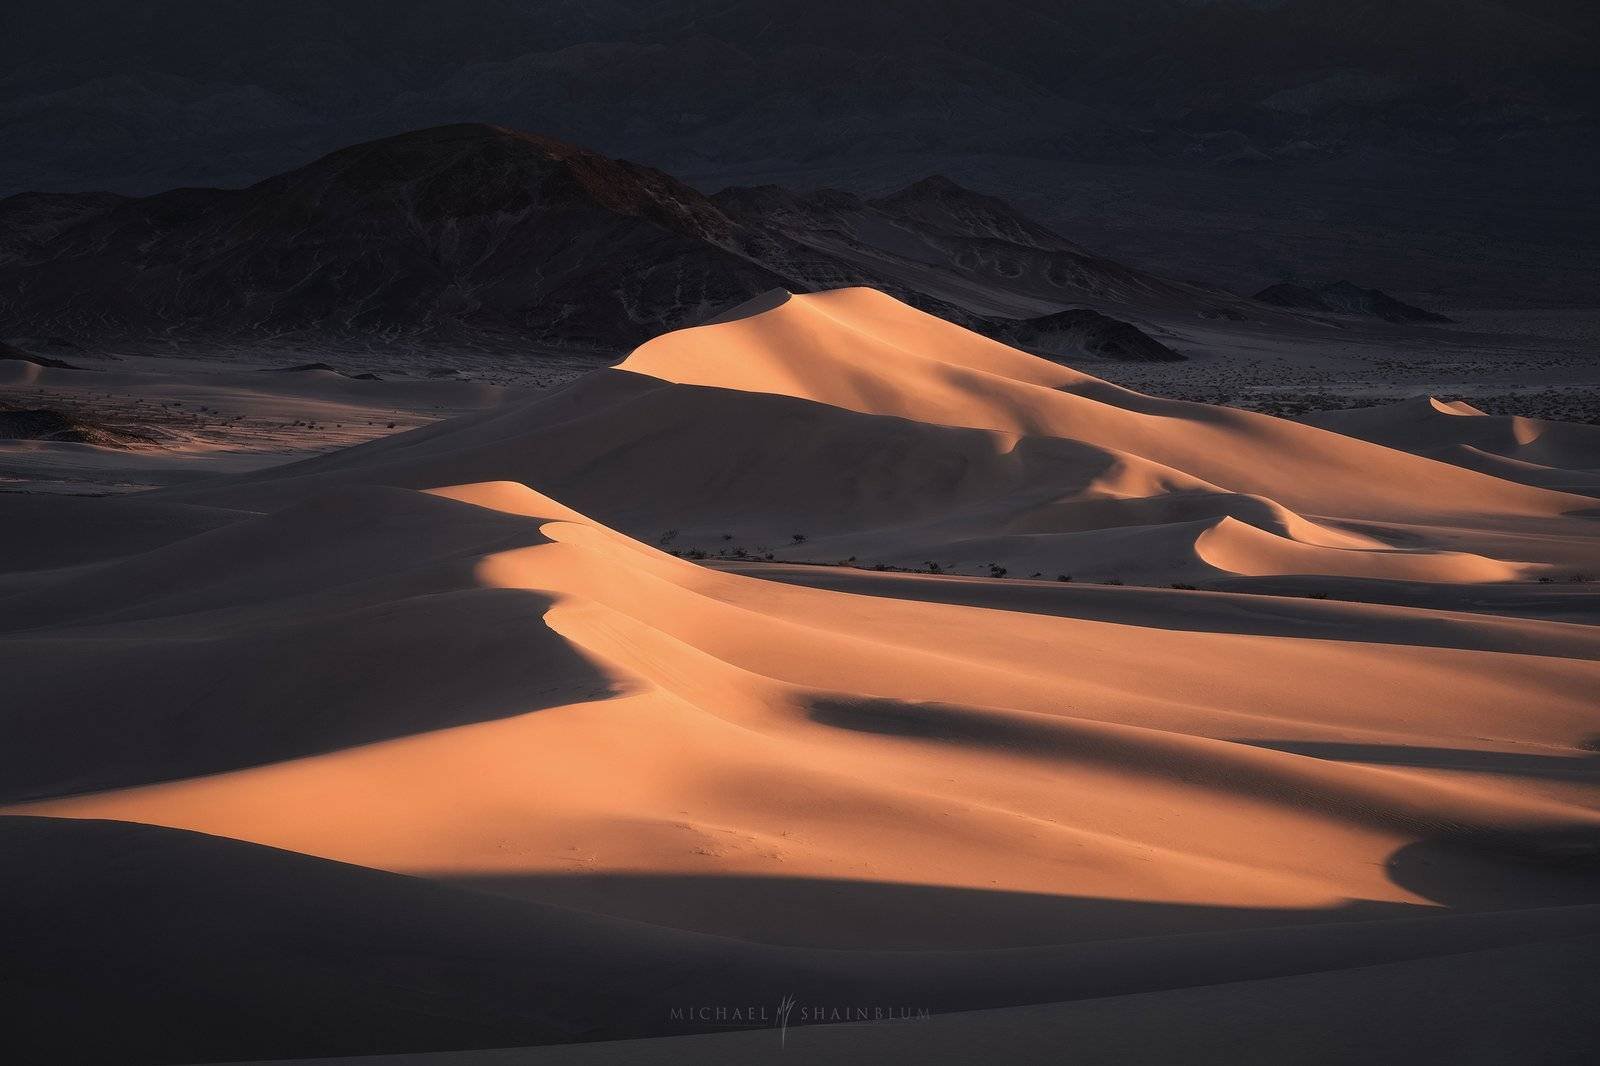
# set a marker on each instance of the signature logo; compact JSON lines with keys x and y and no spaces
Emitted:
{"x":785,"y":1005}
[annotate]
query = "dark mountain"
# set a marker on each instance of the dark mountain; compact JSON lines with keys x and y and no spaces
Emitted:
{"x":950,"y":243}
{"x":482,"y":235}
{"x":1155,"y":125}
{"x":460,"y":231}
{"x":1344,"y":298}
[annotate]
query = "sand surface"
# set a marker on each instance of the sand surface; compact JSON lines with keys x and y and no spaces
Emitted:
{"x":747,"y":669}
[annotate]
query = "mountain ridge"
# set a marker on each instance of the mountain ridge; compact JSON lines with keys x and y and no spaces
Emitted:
{"x":474,"y":233}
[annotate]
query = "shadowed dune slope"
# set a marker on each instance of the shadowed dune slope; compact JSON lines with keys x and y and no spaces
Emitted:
{"x":260,"y":953}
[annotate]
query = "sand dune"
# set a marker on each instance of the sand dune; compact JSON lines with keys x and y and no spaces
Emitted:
{"x":569,"y":778}
{"x":1532,"y":451}
{"x":883,"y":435}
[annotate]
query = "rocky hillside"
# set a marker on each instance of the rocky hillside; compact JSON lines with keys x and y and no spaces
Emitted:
{"x":476,"y":234}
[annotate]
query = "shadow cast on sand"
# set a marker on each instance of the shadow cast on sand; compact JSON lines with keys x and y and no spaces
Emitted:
{"x":184,"y":947}
{"x":1295,"y":607}
{"x":383,"y":671}
{"x":1511,"y":764}
{"x":847,"y":914}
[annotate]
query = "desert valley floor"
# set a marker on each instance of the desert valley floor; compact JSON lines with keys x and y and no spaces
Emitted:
{"x":826,"y":655}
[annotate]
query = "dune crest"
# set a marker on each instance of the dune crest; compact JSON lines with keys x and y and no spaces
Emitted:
{"x":847,"y":426}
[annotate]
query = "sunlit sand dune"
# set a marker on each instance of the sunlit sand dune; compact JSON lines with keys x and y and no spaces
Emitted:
{"x":847,"y":426}
{"x":580,"y":752}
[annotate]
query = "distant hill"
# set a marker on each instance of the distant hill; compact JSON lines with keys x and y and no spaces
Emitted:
{"x":1344,"y":298}
{"x":482,"y":235}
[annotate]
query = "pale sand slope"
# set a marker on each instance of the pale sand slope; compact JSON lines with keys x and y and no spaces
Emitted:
{"x":885,"y":436}
{"x":623,"y":782}
{"x":1534,"y":451}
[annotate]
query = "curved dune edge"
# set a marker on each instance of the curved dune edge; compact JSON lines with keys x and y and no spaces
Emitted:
{"x":1235,"y":547}
{"x":829,"y":735}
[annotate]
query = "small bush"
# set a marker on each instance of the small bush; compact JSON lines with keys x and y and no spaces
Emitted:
{"x":1181,"y":586}
{"x":799,"y":538}
{"x":1063,"y":577}
{"x":1112,"y":581}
